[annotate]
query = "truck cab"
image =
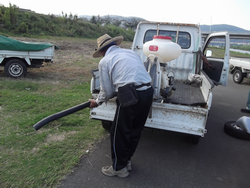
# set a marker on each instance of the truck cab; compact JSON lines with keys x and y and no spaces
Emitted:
{"x":189,"y":37}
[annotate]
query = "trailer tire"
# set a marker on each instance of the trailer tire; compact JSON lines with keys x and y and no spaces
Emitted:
{"x":107,"y":125}
{"x":15,"y":68}
{"x":238,"y":76}
{"x":236,"y":131}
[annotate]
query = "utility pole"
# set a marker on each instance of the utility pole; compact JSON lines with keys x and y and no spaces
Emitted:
{"x":210,"y":25}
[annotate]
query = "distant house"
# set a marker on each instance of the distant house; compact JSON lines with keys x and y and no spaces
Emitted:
{"x":22,"y":9}
{"x":26,"y":10}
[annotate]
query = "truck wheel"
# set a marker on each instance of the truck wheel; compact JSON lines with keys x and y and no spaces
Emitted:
{"x":15,"y":68}
{"x":194,"y":139}
{"x":107,"y":125}
{"x":238,"y":76}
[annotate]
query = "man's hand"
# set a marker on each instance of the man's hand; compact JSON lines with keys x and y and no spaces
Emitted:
{"x":93,"y":103}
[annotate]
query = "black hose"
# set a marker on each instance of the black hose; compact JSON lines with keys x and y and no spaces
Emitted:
{"x":58,"y":115}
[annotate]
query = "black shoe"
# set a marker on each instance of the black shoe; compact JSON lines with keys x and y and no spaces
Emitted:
{"x":245,"y":110}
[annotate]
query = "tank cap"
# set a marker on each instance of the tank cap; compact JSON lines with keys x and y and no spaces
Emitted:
{"x":162,"y":37}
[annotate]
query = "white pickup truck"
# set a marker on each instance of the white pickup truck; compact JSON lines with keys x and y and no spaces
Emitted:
{"x":17,"y":56}
{"x":240,"y":68}
{"x":186,"y":110}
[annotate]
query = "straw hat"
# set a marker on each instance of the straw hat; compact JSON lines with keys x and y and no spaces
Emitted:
{"x":104,"y":41}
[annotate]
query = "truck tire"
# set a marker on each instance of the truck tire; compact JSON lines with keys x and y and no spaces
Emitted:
{"x":194,"y":139}
{"x":15,"y":68}
{"x":234,"y":130}
{"x":238,"y":76}
{"x":107,"y":125}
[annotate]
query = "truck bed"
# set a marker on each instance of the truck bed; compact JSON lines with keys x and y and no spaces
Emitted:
{"x":187,"y":95}
{"x":9,"y":44}
{"x":240,"y":62}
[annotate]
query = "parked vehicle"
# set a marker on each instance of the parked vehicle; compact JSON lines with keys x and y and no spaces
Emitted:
{"x":240,"y":68}
{"x":16,"y":56}
{"x":186,"y":78}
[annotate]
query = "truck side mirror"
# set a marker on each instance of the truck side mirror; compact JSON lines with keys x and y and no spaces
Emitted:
{"x":209,"y":53}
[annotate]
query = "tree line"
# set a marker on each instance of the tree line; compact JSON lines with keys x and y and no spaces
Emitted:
{"x":124,"y":23}
{"x":15,"y":21}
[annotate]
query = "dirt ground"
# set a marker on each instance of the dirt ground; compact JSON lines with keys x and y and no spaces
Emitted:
{"x":73,"y":59}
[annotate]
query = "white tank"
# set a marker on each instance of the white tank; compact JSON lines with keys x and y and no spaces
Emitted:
{"x":163,"y":48}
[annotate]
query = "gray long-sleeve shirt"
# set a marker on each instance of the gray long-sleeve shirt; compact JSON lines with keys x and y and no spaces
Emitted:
{"x":117,"y":68}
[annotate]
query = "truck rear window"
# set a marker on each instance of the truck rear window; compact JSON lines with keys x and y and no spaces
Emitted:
{"x":184,"y":39}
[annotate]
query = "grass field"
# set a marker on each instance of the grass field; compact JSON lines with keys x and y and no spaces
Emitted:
{"x":30,"y":158}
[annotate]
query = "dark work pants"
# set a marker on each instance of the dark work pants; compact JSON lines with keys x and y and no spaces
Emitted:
{"x":126,"y":128}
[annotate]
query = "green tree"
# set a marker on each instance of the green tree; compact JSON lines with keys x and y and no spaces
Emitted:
{"x":107,"y":20}
{"x":116,"y":22}
{"x":10,"y":15}
{"x":13,"y":14}
{"x":75,"y":17}
{"x":2,"y":11}
{"x":99,"y":20}
{"x":71,"y":16}
{"x":27,"y":15}
{"x":6,"y":19}
{"x":23,"y":28}
{"x":132,"y":23}
{"x":93,"y":20}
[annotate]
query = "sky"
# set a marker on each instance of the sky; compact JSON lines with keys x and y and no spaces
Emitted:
{"x":231,"y":12}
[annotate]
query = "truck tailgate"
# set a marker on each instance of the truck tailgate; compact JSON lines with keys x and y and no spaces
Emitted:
{"x":172,"y":117}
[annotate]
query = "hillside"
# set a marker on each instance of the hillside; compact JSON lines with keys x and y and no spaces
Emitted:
{"x":121,"y":18}
{"x":119,"y":21}
{"x":223,"y":27}
{"x":204,"y":28}
{"x":23,"y":22}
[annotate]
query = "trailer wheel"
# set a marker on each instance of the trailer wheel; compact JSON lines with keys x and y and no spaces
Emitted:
{"x":238,"y":76}
{"x":107,"y":125}
{"x":15,"y":68}
{"x":234,"y":130}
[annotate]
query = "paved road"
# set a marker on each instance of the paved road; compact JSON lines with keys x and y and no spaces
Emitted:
{"x":166,"y":159}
